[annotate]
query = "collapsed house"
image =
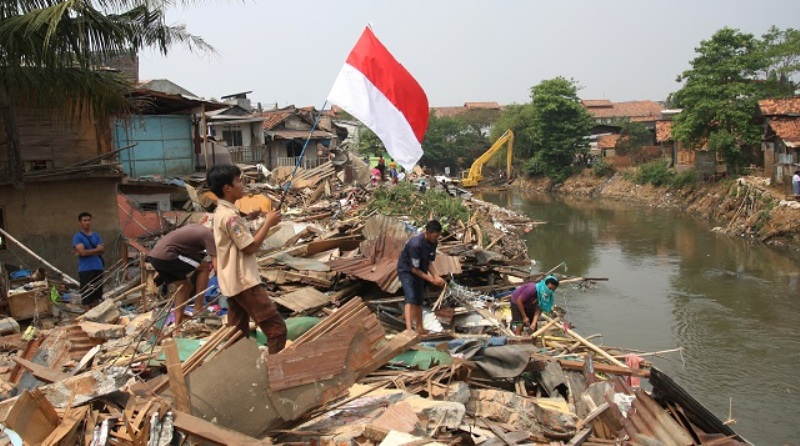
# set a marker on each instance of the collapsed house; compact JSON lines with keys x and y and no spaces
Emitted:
{"x":351,"y":373}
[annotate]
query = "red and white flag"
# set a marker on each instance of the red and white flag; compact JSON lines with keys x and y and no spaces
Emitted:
{"x":378,"y":91}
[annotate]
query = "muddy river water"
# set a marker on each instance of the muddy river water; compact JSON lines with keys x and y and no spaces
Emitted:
{"x":732,"y":305}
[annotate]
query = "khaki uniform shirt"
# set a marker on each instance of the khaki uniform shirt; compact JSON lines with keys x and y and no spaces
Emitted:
{"x":236,"y":270}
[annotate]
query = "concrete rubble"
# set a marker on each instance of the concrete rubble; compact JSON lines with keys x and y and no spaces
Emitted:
{"x":122,"y":373}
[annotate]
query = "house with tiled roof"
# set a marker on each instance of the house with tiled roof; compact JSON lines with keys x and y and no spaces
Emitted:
{"x":285,"y":133}
{"x":607,"y":114}
{"x":605,"y":111}
{"x":707,"y":163}
{"x":781,"y":139}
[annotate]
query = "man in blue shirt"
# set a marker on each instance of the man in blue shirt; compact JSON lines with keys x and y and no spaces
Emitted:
{"x":89,"y":248}
{"x":412,"y":269}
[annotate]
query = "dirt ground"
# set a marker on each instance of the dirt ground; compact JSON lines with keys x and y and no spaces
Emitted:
{"x":746,"y":206}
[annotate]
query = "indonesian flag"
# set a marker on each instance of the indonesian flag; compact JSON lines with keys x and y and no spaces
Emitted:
{"x":378,"y":91}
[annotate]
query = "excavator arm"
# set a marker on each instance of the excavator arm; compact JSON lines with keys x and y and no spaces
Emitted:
{"x":475,"y":174}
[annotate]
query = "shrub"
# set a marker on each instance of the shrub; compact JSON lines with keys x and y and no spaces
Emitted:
{"x":655,"y":172}
{"x":602,"y":169}
{"x":405,"y":199}
{"x":683,"y":179}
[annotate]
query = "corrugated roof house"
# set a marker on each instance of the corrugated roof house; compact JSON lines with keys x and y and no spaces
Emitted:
{"x":781,"y":141}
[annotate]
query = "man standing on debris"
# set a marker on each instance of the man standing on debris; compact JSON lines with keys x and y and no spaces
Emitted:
{"x":412,"y":269}
{"x":180,"y":253}
{"x":89,"y":248}
{"x":796,"y":183}
{"x":529,"y":300}
{"x":237,"y":269}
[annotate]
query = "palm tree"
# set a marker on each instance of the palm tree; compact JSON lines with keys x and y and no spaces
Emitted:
{"x":51,"y":52}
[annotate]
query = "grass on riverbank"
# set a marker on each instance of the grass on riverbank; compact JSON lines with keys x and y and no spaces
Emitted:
{"x":659,"y":174}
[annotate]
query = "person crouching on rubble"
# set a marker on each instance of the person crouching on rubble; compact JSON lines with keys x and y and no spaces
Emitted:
{"x":237,"y":268}
{"x":412,"y":269}
{"x":179,"y":254}
{"x":529,"y":301}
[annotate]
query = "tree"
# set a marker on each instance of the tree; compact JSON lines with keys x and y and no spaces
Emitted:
{"x":50,"y":51}
{"x":633,"y":136}
{"x":368,"y":142}
{"x":518,"y":118}
{"x":719,"y":97}
{"x":451,"y":142}
{"x":781,"y":50}
{"x":559,"y":128}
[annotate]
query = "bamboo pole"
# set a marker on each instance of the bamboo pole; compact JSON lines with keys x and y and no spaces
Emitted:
{"x":546,"y":327}
{"x":34,"y":255}
{"x":586,"y":342}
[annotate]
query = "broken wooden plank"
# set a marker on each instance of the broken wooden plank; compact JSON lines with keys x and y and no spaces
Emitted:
{"x":177,"y":382}
{"x":68,"y":425}
{"x":206,"y":430}
{"x":580,"y":437}
{"x":304,"y":299}
{"x":578,"y":365}
{"x":41,"y":372}
{"x":592,"y":415}
{"x":32,"y":417}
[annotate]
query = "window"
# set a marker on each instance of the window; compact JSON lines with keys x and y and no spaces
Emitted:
{"x":232,"y":137}
{"x":2,"y":225}
{"x":38,"y":165}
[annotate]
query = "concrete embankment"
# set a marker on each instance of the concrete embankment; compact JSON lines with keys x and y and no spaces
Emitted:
{"x":743,"y":207}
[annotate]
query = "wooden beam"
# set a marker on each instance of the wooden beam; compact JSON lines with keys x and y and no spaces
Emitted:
{"x":586,"y":342}
{"x":201,"y":428}
{"x":177,"y":382}
{"x":592,"y":415}
{"x":578,"y":365}
{"x":41,"y":372}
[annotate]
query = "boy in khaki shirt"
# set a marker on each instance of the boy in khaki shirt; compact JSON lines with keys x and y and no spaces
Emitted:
{"x":237,"y":269}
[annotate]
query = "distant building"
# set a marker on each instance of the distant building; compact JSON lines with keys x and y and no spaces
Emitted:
{"x":287,"y":129}
{"x":607,"y":112}
{"x":707,"y":163}
{"x":781,"y":139}
{"x":488,"y":112}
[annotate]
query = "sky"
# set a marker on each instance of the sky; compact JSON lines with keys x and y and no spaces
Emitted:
{"x":290,"y":52}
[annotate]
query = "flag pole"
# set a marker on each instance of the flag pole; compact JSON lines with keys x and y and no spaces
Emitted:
{"x":299,"y":160}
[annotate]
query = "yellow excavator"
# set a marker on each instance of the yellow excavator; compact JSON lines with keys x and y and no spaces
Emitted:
{"x":474,"y":175}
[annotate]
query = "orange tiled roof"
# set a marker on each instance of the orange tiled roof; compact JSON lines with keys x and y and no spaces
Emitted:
{"x":596,"y":103}
{"x":641,"y":111}
{"x":482,"y":105}
{"x":787,"y":129}
{"x":777,"y":107}
{"x":663,"y":131}
{"x":607,"y":141}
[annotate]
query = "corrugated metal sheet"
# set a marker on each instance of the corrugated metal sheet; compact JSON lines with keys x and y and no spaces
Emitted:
{"x":646,"y":418}
{"x":385,"y":239}
{"x":667,"y":390}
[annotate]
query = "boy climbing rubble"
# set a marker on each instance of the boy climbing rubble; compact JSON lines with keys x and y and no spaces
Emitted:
{"x":237,"y":268}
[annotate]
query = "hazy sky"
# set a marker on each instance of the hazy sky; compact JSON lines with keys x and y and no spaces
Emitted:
{"x":289,"y":52}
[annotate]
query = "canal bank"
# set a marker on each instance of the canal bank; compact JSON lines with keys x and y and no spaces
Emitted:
{"x":745,"y":207}
{"x":731,"y":305}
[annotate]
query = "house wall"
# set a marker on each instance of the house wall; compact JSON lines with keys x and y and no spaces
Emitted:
{"x":56,"y":139}
{"x":44,"y":216}
{"x":164,"y":145}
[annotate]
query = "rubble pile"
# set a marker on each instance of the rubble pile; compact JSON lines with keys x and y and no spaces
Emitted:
{"x":122,"y":373}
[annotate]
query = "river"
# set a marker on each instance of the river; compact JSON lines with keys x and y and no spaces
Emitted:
{"x":732,"y":305}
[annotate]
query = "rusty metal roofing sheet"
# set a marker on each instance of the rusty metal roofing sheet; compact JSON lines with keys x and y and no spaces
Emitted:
{"x":647,"y":418}
{"x":377,"y":263}
{"x":667,"y":390}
